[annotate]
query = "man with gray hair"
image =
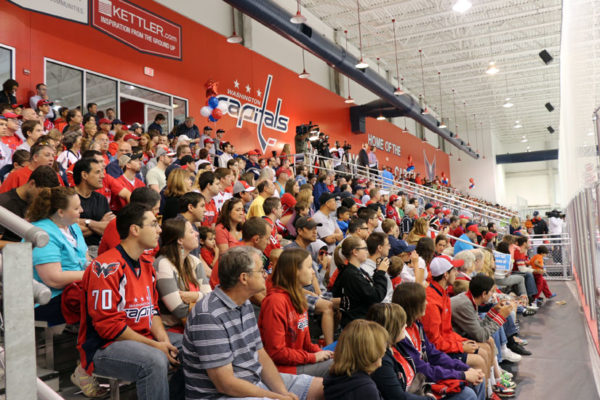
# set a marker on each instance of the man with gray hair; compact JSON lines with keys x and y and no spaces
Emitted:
{"x":223,"y":353}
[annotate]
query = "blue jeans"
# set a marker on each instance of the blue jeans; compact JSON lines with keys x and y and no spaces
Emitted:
{"x":529,"y":282}
{"x":499,"y":340}
{"x":475,"y":393}
{"x":136,"y":362}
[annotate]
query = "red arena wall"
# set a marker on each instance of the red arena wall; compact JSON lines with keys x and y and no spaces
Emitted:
{"x":252,"y":84}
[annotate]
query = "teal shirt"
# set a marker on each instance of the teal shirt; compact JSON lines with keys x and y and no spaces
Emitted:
{"x":60,"y":250}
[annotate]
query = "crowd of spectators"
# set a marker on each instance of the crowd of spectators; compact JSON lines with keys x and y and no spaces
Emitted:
{"x":197,"y":272}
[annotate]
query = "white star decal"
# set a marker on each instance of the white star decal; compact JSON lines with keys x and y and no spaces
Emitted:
{"x":258,"y":92}
{"x":236,"y":84}
{"x":135,"y":300}
{"x":248,"y":88}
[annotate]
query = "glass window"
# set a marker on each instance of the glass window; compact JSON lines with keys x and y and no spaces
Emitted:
{"x":179,"y":111}
{"x":65,"y":85}
{"x":5,"y":64}
{"x":102,"y":91}
{"x":145,"y":94}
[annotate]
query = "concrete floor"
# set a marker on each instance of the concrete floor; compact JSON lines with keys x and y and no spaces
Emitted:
{"x":560,"y":367}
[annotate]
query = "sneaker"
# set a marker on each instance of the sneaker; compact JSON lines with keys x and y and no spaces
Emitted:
{"x":507,"y":383}
{"x":539,"y":302}
{"x":528,"y":312}
{"x":552,"y":295}
{"x":87,"y":383}
{"x":532,"y":306}
{"x":502,"y":391}
{"x":517,"y":348}
{"x":508,"y":355}
{"x":520,"y":341}
{"x":504,"y":374}
{"x":494,"y":396}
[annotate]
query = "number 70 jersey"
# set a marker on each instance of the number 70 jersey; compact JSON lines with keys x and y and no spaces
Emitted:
{"x":118,"y":293}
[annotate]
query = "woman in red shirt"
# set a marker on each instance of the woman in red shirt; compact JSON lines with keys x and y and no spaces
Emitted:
{"x":228,"y":231}
{"x":283,"y":320}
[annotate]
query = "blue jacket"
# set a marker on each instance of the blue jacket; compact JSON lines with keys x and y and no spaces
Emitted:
{"x":431,"y":362}
{"x":460,"y":246}
{"x":319,"y":189}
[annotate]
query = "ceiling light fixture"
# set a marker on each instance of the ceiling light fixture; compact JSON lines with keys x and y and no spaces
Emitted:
{"x":303,"y":74}
{"x":462,"y":6}
{"x":398,"y":91}
{"x":380,"y":117}
{"x":492,"y":69}
{"x":361,"y":64}
{"x":517,"y":125}
{"x":442,"y":124}
{"x":298,"y":18}
{"x":349,"y":99}
{"x":467,"y":124}
{"x":425,"y":110}
{"x":234,"y":38}
{"x":524,"y":140}
{"x":507,"y":103}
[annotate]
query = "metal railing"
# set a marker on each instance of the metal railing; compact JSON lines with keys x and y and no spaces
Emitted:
{"x":557,"y":263}
{"x":21,"y":380}
{"x":453,"y":201}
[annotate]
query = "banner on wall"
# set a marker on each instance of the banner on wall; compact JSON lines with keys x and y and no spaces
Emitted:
{"x":137,"y":27}
{"x":72,"y":10}
{"x":250,"y":105}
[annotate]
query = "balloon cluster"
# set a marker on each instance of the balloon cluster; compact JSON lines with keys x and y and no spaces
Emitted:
{"x":214,"y":109}
{"x":472,"y":183}
{"x":444,"y":179}
{"x":410,"y":166}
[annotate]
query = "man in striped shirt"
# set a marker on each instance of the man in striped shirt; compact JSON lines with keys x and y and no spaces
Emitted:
{"x":222,"y":350}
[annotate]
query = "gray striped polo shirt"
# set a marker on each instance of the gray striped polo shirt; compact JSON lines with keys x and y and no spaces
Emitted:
{"x":219,"y":332}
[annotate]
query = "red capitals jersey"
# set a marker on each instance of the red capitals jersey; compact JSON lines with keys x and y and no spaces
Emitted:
{"x":115,"y":298}
{"x":273,"y":240}
{"x":210,"y":214}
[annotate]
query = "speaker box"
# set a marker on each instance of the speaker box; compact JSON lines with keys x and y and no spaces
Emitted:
{"x":549,"y":107}
{"x":550,"y":129}
{"x":546,"y":57}
{"x":357,"y":121}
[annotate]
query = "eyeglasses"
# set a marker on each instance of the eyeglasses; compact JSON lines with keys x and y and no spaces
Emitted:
{"x":364,"y":228}
{"x":153,"y":224}
{"x":362,"y":248}
{"x":262,"y":271}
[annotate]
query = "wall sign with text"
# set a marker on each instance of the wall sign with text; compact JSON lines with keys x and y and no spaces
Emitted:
{"x":137,"y":27}
{"x":72,"y":10}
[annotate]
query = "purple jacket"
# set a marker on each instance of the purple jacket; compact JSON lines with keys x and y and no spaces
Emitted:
{"x":431,"y":362}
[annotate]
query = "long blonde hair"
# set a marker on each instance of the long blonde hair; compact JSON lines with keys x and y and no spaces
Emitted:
{"x":419,"y":230}
{"x":515,"y":222}
{"x":359,"y":347}
{"x":176,"y":183}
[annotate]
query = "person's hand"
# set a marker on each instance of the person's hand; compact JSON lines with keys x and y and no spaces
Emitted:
{"x":108,"y":216}
{"x":474,"y":376}
{"x":414,"y":259}
{"x":384,"y":264}
{"x":325,"y":261}
{"x":170,"y":350}
{"x":188,"y":297}
{"x":504,"y":308}
{"x":470,"y":346}
{"x":216,"y":250}
{"x":287,"y":396}
{"x":323,"y":355}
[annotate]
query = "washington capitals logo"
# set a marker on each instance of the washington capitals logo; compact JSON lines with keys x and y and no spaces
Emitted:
{"x":105,"y":269}
{"x":429,"y":167}
{"x":257,"y":113}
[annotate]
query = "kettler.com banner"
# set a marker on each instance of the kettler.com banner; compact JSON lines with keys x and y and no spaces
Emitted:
{"x":137,"y":27}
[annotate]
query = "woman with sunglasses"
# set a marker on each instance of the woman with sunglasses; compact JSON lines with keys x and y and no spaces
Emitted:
{"x":357,"y":290}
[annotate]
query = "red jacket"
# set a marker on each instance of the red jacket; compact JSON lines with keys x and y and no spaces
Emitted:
{"x":438,"y":321}
{"x":285,"y":333}
{"x":392,"y":213}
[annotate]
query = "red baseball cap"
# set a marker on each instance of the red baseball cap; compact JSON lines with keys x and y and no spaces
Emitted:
{"x":131,"y":136}
{"x":490,"y":235}
{"x":9,"y":114}
{"x":474,"y":228}
{"x":441,"y":264}
{"x":105,"y":121}
{"x":42,"y":102}
{"x":393,"y":198}
{"x":254,"y":153}
{"x":208,"y":140}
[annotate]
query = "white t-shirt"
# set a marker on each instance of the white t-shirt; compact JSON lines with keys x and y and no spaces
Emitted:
{"x":408,"y":274}
{"x":156,"y":176}
{"x":328,"y":228}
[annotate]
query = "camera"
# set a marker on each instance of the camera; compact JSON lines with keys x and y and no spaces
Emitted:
{"x":321,"y":144}
{"x":347,"y":146}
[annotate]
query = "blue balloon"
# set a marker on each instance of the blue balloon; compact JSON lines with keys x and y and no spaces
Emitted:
{"x":213,"y":102}
{"x":211,"y":119}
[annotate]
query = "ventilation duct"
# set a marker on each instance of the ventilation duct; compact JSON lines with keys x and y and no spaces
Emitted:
{"x":277,"y":19}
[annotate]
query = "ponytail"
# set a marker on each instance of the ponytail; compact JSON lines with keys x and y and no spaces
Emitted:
{"x":48,"y":201}
{"x":342,"y":253}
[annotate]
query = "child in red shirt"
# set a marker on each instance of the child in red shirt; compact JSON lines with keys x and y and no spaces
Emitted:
{"x":537,"y":263}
